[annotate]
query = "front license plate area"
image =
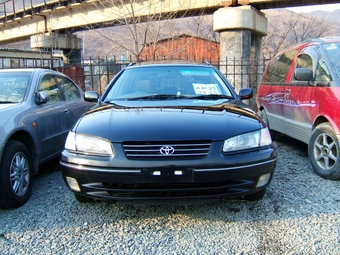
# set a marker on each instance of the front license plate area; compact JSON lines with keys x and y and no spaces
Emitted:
{"x":168,"y":175}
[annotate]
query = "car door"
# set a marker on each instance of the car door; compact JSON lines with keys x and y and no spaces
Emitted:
{"x":272,"y":92}
{"x":51,"y":120}
{"x":301,"y":102}
{"x":75,"y":105}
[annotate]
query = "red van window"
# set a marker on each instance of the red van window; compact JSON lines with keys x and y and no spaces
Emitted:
{"x":278,"y":69}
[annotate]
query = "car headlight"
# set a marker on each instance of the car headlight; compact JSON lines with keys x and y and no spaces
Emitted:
{"x":88,"y":144}
{"x":249,"y":140}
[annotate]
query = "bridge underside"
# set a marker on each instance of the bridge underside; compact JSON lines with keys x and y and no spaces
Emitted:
{"x":24,"y":20}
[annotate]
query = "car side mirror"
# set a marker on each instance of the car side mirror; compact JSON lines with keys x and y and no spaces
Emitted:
{"x":303,"y":74}
{"x":91,"y":96}
{"x":246,"y":93}
{"x":42,"y":97}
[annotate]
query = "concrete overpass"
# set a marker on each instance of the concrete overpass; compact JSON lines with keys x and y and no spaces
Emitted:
{"x":30,"y":17}
{"x":240,"y":23}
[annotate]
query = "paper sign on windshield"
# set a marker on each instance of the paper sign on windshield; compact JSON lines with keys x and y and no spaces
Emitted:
{"x":206,"y":89}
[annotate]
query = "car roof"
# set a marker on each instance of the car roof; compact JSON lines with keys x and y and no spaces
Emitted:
{"x":167,"y":64}
{"x":316,"y":41}
{"x":309,"y":42}
{"x":30,"y":70}
{"x":325,"y":39}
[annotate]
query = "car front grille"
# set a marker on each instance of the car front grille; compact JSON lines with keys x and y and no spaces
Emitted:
{"x":159,"y":191}
{"x":167,"y":150}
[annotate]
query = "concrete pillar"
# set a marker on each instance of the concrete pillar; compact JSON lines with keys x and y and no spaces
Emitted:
{"x":70,"y":45}
{"x":241,"y":30}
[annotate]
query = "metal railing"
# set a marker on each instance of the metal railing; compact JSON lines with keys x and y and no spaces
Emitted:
{"x":95,"y":73}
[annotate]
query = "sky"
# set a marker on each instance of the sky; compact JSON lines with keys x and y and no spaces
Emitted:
{"x":310,"y":8}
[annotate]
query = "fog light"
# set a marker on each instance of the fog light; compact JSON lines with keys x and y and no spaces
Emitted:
{"x":72,"y":183}
{"x":264,"y":179}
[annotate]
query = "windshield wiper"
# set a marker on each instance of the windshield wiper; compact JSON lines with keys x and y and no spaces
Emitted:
{"x":157,"y":97}
{"x":171,"y":96}
{"x":211,"y":96}
{"x":8,"y":102}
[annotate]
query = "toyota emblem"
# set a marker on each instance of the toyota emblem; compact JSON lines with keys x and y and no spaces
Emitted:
{"x":167,"y":150}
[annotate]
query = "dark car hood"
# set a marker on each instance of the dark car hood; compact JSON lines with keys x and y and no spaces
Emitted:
{"x":161,"y":123}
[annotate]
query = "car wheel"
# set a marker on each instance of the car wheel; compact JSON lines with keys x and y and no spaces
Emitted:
{"x":324,"y":152}
{"x":15,"y":175}
{"x":263,"y":115}
{"x":83,"y":199}
{"x":255,"y":196}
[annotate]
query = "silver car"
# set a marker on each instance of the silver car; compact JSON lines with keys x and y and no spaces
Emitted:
{"x":38,"y":107}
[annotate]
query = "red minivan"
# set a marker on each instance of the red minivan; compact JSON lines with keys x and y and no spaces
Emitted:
{"x":299,"y":96}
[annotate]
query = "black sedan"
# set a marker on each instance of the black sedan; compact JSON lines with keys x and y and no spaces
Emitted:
{"x":169,"y":131}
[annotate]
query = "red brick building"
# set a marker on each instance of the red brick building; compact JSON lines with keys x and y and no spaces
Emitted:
{"x":184,"y":47}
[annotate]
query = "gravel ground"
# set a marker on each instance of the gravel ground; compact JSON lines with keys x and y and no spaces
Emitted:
{"x":299,"y":215}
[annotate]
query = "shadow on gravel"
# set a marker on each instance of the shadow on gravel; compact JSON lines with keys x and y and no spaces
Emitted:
{"x":288,"y":142}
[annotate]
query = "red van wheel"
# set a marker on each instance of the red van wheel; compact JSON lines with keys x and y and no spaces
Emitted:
{"x":324,"y":152}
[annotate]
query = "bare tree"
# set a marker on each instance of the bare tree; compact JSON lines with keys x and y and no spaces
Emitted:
{"x":286,"y":28}
{"x":138,"y":23}
{"x":307,"y":26}
{"x":145,"y":23}
{"x":276,"y":35}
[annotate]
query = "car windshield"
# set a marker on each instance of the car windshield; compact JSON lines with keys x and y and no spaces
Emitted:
{"x":168,"y":82}
{"x":13,"y":86}
{"x":333,"y":53}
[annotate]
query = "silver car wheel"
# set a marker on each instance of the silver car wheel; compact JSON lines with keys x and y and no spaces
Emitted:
{"x":19,"y":174}
{"x":15,"y":175}
{"x":325,"y":151}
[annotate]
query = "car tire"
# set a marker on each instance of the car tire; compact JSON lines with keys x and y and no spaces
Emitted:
{"x":324,"y":152}
{"x":15,"y":175}
{"x":83,"y":199}
{"x":255,"y":196}
{"x":264,"y":117}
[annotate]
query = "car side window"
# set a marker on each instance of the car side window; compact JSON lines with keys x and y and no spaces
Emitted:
{"x":321,"y":72}
{"x":277,"y":69}
{"x":304,"y":61}
{"x":49,"y":85}
{"x":70,"y":90}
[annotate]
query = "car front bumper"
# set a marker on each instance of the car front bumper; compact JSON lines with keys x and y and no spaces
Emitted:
{"x":174,"y":180}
